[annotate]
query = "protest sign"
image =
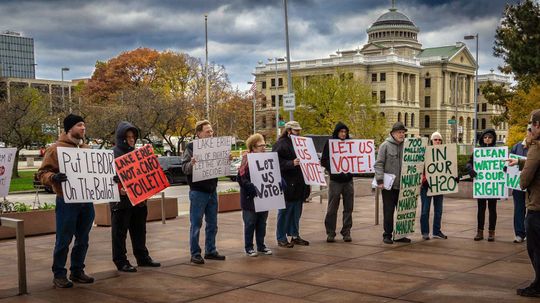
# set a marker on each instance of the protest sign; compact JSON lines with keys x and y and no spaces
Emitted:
{"x":7,"y":158}
{"x":312,"y":170}
{"x":212,"y":155}
{"x":140,"y":174}
{"x":90,"y":174}
{"x":265,"y":175}
{"x":351,"y":156}
{"x":412,"y":167}
{"x":490,"y":180}
{"x":513,"y":174}
{"x":441,"y":169}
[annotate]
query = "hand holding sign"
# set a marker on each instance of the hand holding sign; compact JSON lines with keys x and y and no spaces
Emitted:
{"x":312,"y":170}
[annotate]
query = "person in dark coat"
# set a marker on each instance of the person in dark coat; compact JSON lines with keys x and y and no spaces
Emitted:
{"x":341,"y":185}
{"x":295,"y":191}
{"x":126,"y":217}
{"x":519,"y":149}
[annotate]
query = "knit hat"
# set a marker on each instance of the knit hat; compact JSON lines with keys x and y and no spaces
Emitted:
{"x":71,"y":120}
{"x":398,"y":126}
{"x":436,"y":135}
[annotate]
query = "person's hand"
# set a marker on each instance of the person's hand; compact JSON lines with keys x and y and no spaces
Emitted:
{"x":512,"y":162}
{"x":473,"y":173}
{"x":251,"y":190}
{"x":123,"y":191}
{"x":456,"y":179}
{"x":116,"y":179}
{"x":380,"y":186}
{"x":59,"y":178}
{"x":296,"y":162}
{"x":193,"y":161}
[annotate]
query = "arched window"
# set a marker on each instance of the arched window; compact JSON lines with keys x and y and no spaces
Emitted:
{"x":426,"y":121}
{"x":406,"y":119}
{"x":399,"y":117}
{"x":412,"y":120}
{"x":382,"y":114}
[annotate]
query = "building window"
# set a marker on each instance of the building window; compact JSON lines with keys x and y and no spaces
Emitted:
{"x":382,"y":114}
{"x":263,"y":103}
{"x":272,"y":82}
{"x":484,"y":107}
{"x":427,"y":101}
{"x":280,"y":82}
{"x":399,"y":117}
{"x":263,"y":83}
{"x":483,"y":124}
{"x":428,"y":82}
{"x":383,"y":77}
{"x":412,"y":120}
{"x":273,"y":101}
{"x":273,"y":123}
{"x":426,"y":121}
{"x":263,"y":122}
{"x":374,"y":95}
{"x":280,"y":99}
{"x":406,"y":118}
{"x":374,"y":77}
{"x":382,"y":93}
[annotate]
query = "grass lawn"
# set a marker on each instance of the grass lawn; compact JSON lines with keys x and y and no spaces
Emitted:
{"x":25,"y":182}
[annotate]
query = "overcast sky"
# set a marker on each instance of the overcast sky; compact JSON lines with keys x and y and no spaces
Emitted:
{"x":77,"y":33}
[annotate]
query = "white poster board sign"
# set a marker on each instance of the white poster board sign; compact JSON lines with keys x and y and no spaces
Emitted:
{"x":513,"y":174}
{"x":265,"y":175}
{"x":213,"y":157}
{"x":7,"y":158}
{"x":490,"y":180}
{"x":311,"y":167}
{"x":90,"y":174}
{"x":351,"y":156}
{"x":441,"y":169}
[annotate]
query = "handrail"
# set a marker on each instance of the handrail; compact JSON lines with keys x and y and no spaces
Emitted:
{"x":21,"y":255}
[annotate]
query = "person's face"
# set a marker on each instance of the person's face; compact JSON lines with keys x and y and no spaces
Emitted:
{"x":399,"y":135}
{"x":342,"y":134}
{"x":259,"y":147}
{"x":295,"y":132}
{"x":488,"y":139}
{"x":78,"y":131}
{"x":206,"y":132}
{"x":437,"y":141}
{"x":131,"y":138}
{"x":535,"y":128}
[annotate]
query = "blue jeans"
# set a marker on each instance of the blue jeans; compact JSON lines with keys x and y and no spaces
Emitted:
{"x":72,"y":219}
{"x":519,"y":213}
{"x":288,"y":220}
{"x":426,"y":205}
{"x":203,"y":204}
{"x":254,"y":223}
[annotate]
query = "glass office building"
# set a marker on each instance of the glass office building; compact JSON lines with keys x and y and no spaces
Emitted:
{"x":16,"y":56}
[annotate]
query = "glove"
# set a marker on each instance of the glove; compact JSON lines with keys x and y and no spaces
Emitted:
{"x":456,"y":179}
{"x":116,"y":179}
{"x":251,"y":190}
{"x":472,"y":173}
{"x":59,"y":178}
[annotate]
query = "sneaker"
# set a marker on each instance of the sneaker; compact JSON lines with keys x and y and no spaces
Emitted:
{"x":285,"y":244}
{"x":330,"y":239}
{"x":214,"y":256}
{"x":528,"y":292}
{"x":388,"y":241}
{"x":403,"y":240}
{"x":426,"y":236}
{"x":81,"y":277}
{"x":251,"y":253}
{"x":440,"y":235}
{"x":265,"y":251}
{"x":299,"y":241}
{"x":197,"y":259}
{"x":518,"y":239}
{"x":62,"y":283}
{"x":347,"y":238}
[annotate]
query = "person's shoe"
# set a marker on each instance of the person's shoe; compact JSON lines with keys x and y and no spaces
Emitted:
{"x":214,"y":256}
{"x":330,"y":239}
{"x":81,"y":277}
{"x":479,"y":235}
{"x":491,"y":236}
{"x":347,"y":238}
{"x":265,"y":251}
{"x":62,"y":283}
{"x":528,"y":292}
{"x":388,"y":241}
{"x":127,"y":268}
{"x":197,"y":259}
{"x":518,"y":239}
{"x":252,"y":253}
{"x":403,"y":240}
{"x":285,"y":243}
{"x":149,"y":263}
{"x":440,"y":235}
{"x":299,"y":241}
{"x":425,"y":236}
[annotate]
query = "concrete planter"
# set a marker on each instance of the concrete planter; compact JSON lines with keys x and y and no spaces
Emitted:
{"x":36,"y":222}
{"x":228,"y":202}
{"x":103,"y":211}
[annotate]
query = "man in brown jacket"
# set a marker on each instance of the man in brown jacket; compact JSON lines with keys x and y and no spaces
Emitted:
{"x":72,"y":219}
{"x":530,"y":181}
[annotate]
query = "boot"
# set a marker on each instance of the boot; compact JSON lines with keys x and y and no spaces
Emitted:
{"x":491,"y":236}
{"x":479,"y":235}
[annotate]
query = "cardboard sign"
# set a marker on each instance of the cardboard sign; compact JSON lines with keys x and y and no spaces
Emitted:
{"x":7,"y":158}
{"x":351,"y":156}
{"x":212,"y":155}
{"x":90,"y":175}
{"x":441,"y":168}
{"x":140,"y":174}
{"x":490,"y":180}
{"x":311,"y":167}
{"x":514,"y":174}
{"x":412,"y":167}
{"x":265,"y":175}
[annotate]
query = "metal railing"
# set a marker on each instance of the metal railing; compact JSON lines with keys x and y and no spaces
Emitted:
{"x":21,"y":255}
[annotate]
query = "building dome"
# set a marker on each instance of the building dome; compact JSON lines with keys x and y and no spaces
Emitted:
{"x":393,"y":27}
{"x":393,"y":20}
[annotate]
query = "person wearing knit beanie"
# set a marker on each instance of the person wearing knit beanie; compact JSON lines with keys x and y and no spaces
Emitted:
{"x":436,"y":135}
{"x":71,"y":120}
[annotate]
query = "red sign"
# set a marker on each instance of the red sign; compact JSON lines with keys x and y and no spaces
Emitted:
{"x":140,"y":174}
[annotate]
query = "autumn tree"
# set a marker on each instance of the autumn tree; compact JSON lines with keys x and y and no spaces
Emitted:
{"x":520,"y":108}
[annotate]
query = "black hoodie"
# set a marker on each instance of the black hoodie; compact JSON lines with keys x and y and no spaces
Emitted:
{"x":325,"y":158}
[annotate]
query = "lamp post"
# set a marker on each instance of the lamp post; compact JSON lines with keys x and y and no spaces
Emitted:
{"x":254,"y":103}
{"x":475,"y":124}
{"x":276,"y":60}
{"x":289,"y":77}
{"x":62,"y":70}
{"x":206,"y":68}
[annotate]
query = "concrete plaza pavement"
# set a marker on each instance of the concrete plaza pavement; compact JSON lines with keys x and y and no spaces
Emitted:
{"x":454,"y":270}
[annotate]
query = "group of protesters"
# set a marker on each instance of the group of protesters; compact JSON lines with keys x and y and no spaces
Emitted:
{"x":74,"y":220}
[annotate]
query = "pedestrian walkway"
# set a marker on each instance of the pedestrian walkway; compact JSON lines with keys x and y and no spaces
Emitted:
{"x":454,"y":270}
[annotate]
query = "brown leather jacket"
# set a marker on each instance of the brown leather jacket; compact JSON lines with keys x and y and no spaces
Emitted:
{"x":49,"y":166}
{"x":530,"y":175}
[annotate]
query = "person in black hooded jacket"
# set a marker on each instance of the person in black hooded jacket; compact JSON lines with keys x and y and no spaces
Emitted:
{"x":125,"y":216}
{"x":488,"y":139}
{"x":340,"y":185}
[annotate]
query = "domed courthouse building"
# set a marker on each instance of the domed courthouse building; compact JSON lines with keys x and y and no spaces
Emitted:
{"x":428,"y":89}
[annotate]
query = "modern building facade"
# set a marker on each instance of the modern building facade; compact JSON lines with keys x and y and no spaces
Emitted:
{"x":17,"y":56}
{"x":428,"y":89}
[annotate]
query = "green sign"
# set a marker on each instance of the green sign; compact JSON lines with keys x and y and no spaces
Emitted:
{"x":281,"y":123}
{"x":490,"y":180}
{"x":452,"y":121}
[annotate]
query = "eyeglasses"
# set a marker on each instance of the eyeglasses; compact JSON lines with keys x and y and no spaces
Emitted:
{"x":260,"y":145}
{"x":437,"y":139}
